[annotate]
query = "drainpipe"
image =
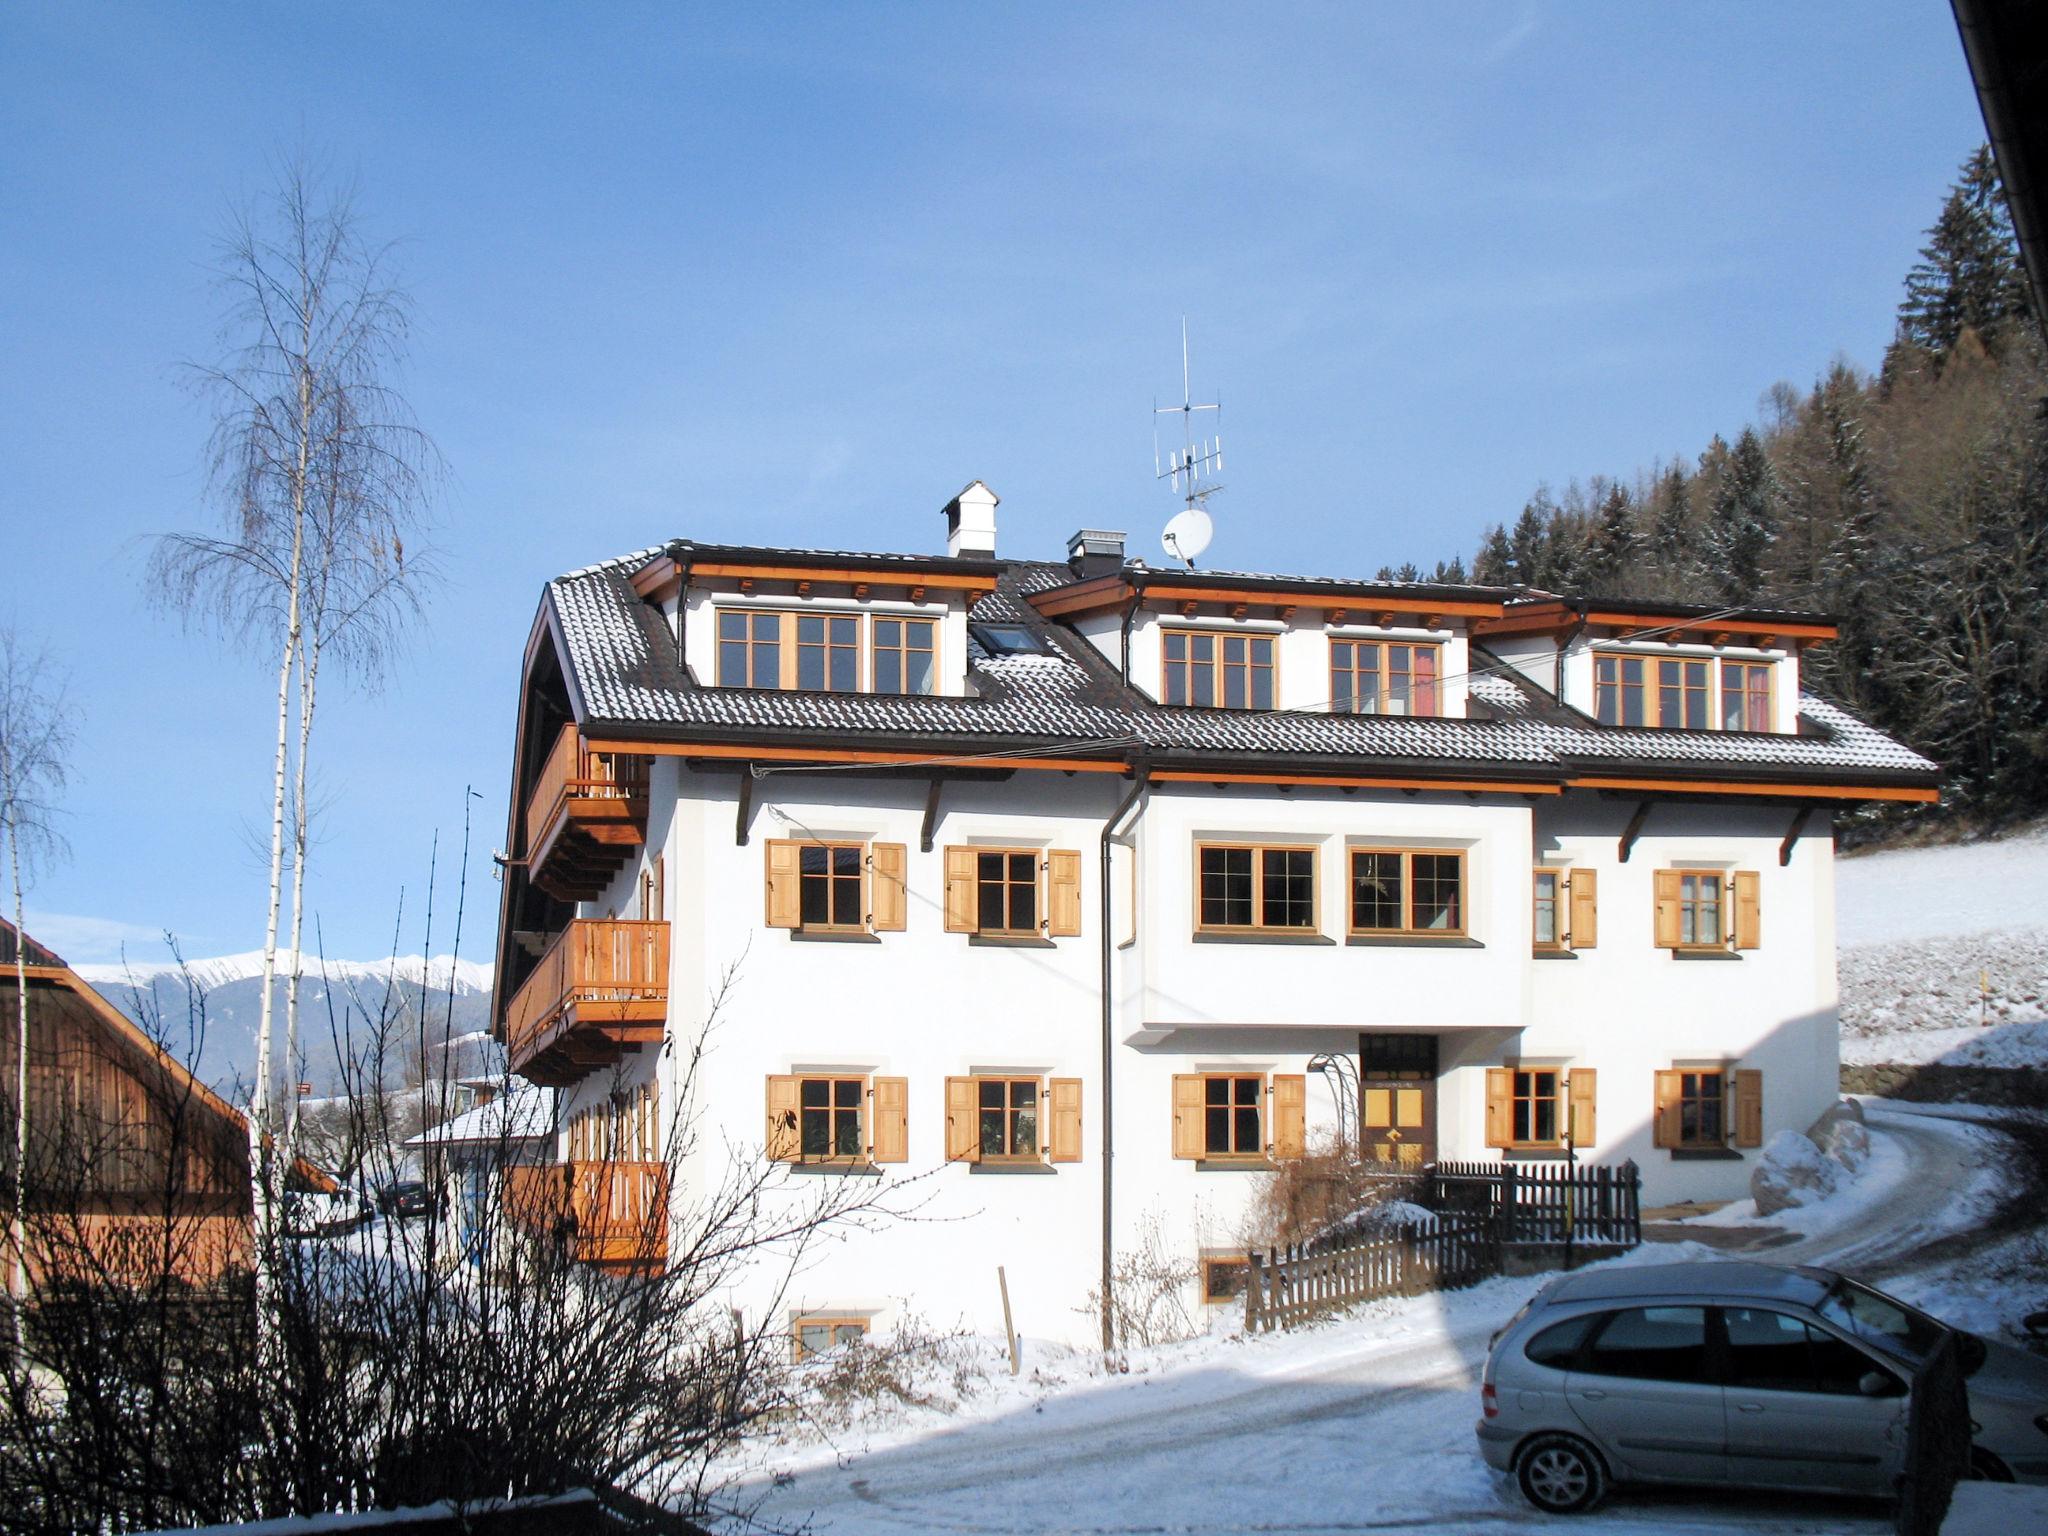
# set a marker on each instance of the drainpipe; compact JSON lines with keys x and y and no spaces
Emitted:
{"x":1139,"y":785}
{"x":1570,"y":640}
{"x":1137,"y":580}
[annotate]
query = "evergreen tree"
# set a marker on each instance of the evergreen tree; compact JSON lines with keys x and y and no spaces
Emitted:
{"x":1615,"y":545}
{"x":1407,"y":572}
{"x":1450,"y":572}
{"x":1494,"y":565}
{"x":1742,"y":521}
{"x":1670,"y":567}
{"x":1529,"y":544}
{"x":1969,"y":276}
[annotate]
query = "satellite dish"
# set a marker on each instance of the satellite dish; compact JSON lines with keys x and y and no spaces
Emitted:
{"x":1187,"y":535}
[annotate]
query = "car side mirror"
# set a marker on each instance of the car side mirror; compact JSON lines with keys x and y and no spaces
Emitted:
{"x":1874,"y":1384}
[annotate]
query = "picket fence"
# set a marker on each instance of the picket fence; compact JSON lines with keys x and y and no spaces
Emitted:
{"x":1596,"y":1205}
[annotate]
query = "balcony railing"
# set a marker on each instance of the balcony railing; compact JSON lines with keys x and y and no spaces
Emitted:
{"x":615,"y":1214}
{"x":600,"y":989}
{"x":585,"y":811}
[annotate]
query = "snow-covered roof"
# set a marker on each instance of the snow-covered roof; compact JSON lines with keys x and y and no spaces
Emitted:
{"x":628,"y":680}
{"x":524,"y":1114}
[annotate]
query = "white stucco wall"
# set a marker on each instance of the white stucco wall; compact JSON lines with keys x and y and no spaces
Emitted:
{"x":925,"y":1005}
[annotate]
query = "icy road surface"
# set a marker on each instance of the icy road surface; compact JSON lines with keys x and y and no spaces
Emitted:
{"x":1362,"y":1424}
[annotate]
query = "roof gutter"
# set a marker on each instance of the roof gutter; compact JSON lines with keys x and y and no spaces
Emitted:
{"x":1140,"y":783}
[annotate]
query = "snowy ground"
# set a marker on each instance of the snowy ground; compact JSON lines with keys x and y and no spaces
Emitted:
{"x":1944,"y":954}
{"x":1361,"y":1424}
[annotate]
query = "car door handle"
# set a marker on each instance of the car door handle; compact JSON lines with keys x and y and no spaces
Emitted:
{"x":1749,"y":1407}
{"x":1593,"y":1396}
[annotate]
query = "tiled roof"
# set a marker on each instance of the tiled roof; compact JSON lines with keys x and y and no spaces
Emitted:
{"x":623,"y":662}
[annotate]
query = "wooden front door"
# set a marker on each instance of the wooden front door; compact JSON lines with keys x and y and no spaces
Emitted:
{"x":1397,"y":1098}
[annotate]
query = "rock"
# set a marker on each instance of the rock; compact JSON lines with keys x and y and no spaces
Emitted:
{"x":1848,"y":1143}
{"x":1792,"y":1171}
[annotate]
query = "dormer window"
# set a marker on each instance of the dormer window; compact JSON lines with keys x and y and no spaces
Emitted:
{"x":1674,"y":693}
{"x":1209,"y":669}
{"x":1375,"y":677}
{"x":822,"y":652}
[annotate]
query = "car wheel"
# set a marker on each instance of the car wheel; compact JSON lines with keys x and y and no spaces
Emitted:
{"x":1560,"y":1475}
{"x":1987,"y":1468}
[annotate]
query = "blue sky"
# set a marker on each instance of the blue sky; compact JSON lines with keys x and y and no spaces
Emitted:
{"x":794,"y":274}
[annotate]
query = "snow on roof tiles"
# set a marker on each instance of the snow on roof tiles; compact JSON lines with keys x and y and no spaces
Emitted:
{"x":622,"y":660}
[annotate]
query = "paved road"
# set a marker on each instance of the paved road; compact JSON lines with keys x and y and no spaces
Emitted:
{"x":1371,"y":1433}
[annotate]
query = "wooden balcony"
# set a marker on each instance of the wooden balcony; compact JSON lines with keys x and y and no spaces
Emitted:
{"x":614,"y":1215}
{"x":600,"y":990}
{"x":586,"y":815}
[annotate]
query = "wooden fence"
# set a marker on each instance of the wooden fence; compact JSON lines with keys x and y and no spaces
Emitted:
{"x":1596,"y":1205}
{"x":1292,"y":1285}
{"x":1480,"y":1208}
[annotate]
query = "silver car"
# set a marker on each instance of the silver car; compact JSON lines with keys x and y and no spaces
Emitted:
{"x":1744,"y":1375}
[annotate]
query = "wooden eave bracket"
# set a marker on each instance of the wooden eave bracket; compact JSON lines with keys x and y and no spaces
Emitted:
{"x":1792,"y":835}
{"x":1634,"y":829}
{"x":931,"y":814}
{"x":743,"y":820}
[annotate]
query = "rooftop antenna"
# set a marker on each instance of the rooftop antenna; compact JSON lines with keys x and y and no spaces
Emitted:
{"x":1192,"y":467}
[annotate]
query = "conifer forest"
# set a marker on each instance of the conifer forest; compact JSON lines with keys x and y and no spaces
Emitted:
{"x":1911,"y":504}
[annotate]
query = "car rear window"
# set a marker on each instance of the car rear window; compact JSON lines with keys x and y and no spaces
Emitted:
{"x":1558,"y":1345}
{"x":1651,"y":1344}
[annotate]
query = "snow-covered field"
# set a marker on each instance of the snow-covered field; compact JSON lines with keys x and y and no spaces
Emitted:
{"x":1944,"y":954}
{"x":1361,"y":1423}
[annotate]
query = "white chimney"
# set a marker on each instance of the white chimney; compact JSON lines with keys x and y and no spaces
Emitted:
{"x":971,"y":523}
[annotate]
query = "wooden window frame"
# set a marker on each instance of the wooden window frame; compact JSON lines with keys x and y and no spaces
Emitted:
{"x":1722,"y":886}
{"x":1408,"y":930}
{"x":1012,"y":1157}
{"x":1726,"y":1100}
{"x":875,"y":648}
{"x":1059,"y":1120}
{"x":1058,"y":896}
{"x":1742,"y":667}
{"x":1041,"y":865}
{"x":866,"y":1109}
{"x":1217,"y":666}
{"x":1264,"y":1105}
{"x":1560,"y":909}
{"x":832,"y":1320}
{"x":787,"y":646}
{"x":1382,"y":689}
{"x":863,"y":858}
{"x":1211,"y":1262}
{"x":1258,"y":925}
{"x":1560,"y":1106}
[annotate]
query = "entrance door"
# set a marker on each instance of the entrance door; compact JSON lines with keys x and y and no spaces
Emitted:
{"x":1397,"y":1098}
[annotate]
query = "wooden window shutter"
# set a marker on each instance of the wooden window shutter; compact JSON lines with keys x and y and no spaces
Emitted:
{"x":1187,"y":1115}
{"x":1063,"y":893}
{"x":963,"y":1145}
{"x":1065,"y":1094}
{"x":1584,"y":1088}
{"x":889,"y":1126}
{"x":1749,"y":1108}
{"x":1290,"y":1114}
{"x":1584,"y":929}
{"x":785,"y":896}
{"x":1666,"y":1131}
{"x":888,"y":865}
{"x":961,"y":907}
{"x":1500,"y":1106}
{"x":1667,"y":908}
{"x":783,"y":1143}
{"x":1748,"y":910}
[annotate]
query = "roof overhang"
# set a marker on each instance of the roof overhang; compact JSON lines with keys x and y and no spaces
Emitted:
{"x":2006,"y":43}
{"x":723,"y":565}
{"x":1336,"y":601}
{"x":1763,"y":626}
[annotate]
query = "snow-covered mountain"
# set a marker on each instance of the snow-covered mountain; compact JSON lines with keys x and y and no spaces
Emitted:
{"x":215,"y":1018}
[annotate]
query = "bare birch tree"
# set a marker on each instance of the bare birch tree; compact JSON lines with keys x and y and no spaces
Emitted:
{"x":320,"y":473}
{"x":35,"y":757}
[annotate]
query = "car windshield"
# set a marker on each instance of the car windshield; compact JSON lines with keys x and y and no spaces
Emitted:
{"x":1892,"y":1326}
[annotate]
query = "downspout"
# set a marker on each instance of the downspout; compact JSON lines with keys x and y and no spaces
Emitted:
{"x":1137,"y":580}
{"x":1139,"y":785}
